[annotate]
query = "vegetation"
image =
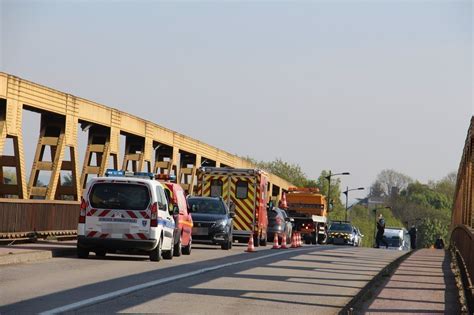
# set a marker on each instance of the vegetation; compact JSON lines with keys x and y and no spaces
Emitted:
{"x":428,"y":206}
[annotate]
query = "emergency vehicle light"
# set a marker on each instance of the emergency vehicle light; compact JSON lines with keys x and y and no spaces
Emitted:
{"x":169,"y":177}
{"x":114,"y":172}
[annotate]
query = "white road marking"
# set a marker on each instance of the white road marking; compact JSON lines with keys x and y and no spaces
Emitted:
{"x":115,"y":294}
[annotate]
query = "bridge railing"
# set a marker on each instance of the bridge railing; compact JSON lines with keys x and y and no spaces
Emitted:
{"x":462,"y":222}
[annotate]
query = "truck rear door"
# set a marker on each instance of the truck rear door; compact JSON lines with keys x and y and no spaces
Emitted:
{"x":243,"y":193}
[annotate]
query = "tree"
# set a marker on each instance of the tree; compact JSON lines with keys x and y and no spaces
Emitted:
{"x":323,"y":184}
{"x":288,"y":171}
{"x":389,"y":181}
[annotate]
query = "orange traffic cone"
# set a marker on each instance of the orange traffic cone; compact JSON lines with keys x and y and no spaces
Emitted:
{"x":275,"y":242}
{"x":299,"y":240}
{"x":283,"y":242}
{"x":250,"y":247}
{"x":293,"y":240}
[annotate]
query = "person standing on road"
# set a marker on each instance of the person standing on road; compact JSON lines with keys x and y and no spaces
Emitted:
{"x":412,"y":234}
{"x":380,"y":231}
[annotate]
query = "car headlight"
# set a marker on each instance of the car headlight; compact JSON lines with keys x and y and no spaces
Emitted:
{"x":220,"y":224}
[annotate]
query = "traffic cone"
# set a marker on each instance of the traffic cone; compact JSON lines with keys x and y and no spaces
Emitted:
{"x":275,"y":242}
{"x":250,"y":247}
{"x":293,"y":240}
{"x":283,"y":242}
{"x":299,"y":239}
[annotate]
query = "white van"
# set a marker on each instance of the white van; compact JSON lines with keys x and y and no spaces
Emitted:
{"x":397,"y":238}
{"x":126,"y":212}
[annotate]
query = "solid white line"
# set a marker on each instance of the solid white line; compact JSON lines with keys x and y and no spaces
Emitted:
{"x":115,"y":294}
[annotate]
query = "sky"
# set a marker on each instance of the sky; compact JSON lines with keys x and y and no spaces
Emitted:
{"x":356,"y":86}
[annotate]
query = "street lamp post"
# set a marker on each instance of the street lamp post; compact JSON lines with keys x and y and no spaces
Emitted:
{"x":347,"y":196}
{"x":328,"y":177}
{"x":375,"y":220}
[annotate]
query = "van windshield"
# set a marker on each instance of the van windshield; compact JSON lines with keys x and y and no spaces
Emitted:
{"x":119,"y":196}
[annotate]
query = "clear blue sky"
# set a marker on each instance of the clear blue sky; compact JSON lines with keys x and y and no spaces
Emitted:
{"x":340,"y":85}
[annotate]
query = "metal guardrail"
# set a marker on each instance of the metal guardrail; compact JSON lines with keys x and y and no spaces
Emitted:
{"x":462,"y":220}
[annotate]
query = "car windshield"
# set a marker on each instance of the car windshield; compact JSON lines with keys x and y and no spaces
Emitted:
{"x":206,"y":205}
{"x":341,"y":227}
{"x":119,"y":196}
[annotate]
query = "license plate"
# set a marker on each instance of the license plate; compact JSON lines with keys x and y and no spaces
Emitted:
{"x":338,"y":241}
{"x":115,"y":228}
{"x":200,"y":231}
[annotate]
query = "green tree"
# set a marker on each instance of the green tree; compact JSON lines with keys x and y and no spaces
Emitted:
{"x":288,"y":171}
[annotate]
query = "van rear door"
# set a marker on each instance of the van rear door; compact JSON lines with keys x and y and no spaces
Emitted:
{"x":118,"y":209}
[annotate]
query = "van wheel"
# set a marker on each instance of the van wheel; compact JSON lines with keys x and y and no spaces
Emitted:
{"x":169,"y":253}
{"x":155,"y":254}
{"x":82,"y":252}
{"x":177,"y":249}
{"x":187,"y":249}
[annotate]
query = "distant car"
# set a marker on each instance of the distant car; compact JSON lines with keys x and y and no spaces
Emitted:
{"x":212,"y":221}
{"x":342,"y":233}
{"x":397,"y":238}
{"x":279,"y":223}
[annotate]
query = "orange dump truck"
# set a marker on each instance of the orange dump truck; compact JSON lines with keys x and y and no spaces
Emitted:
{"x":308,"y":208}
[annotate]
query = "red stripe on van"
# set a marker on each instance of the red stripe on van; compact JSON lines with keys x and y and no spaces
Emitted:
{"x":104,"y":213}
{"x":132,"y":214}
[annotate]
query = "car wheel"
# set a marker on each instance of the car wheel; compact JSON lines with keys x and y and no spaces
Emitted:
{"x":169,"y":253}
{"x":155,"y":254}
{"x":187,"y":249}
{"x":226,"y":245}
{"x":101,"y":253}
{"x":82,"y":252}
{"x":178,"y":249}
{"x":314,"y":238}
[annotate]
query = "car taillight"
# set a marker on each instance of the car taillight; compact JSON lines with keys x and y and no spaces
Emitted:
{"x":82,"y":213}
{"x":154,"y":215}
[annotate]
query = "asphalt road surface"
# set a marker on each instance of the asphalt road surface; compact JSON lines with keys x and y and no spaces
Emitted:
{"x":307,"y":280}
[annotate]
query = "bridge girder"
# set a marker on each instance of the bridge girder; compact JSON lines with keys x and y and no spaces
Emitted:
{"x":148,"y":146}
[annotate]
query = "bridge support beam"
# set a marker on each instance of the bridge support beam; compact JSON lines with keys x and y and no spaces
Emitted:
{"x":189,"y":164}
{"x":135,"y":154}
{"x":51,"y":136}
{"x":98,"y":152}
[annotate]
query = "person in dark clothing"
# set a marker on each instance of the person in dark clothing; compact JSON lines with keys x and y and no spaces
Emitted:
{"x":412,"y":234}
{"x":379,"y":239}
{"x":439,"y":243}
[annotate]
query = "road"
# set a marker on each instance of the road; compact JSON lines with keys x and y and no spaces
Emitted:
{"x":310,"y":279}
